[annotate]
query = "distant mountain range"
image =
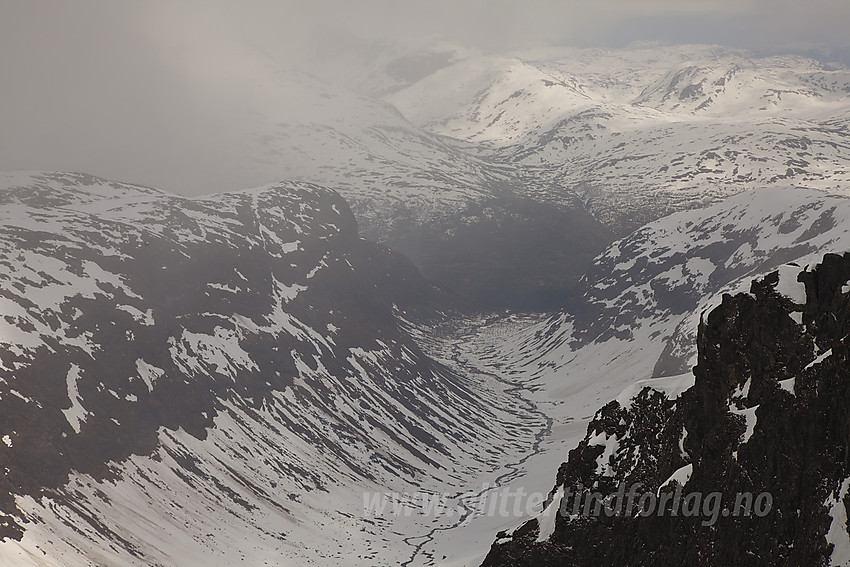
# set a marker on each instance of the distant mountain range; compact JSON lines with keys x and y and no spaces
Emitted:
{"x":636,"y":134}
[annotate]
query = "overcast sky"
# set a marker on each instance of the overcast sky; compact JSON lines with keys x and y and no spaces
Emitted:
{"x":123,"y":87}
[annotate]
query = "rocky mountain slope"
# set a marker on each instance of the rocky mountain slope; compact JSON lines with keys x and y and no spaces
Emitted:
{"x":648,"y":290}
{"x":187,"y":381}
{"x":764,"y":413}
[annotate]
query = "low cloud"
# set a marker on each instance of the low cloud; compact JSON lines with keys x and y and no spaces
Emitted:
{"x":151,"y":91}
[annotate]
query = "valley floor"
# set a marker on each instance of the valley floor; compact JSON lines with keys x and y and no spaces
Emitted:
{"x":503,"y":498}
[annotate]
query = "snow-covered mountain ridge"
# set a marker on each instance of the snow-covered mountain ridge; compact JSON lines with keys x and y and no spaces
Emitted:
{"x":442,"y":149}
{"x":202,"y":381}
{"x":638,"y":133}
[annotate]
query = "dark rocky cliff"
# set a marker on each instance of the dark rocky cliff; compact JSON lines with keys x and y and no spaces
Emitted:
{"x":768,"y":413}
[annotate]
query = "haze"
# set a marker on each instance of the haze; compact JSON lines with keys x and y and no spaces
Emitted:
{"x":166,"y":93}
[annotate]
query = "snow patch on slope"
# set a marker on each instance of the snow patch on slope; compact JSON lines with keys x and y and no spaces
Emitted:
{"x":76,"y":414}
{"x":837,"y":534}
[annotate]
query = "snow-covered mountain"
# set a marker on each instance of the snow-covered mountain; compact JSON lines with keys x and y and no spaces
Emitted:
{"x":640,"y":132}
{"x":458,"y":216}
{"x":205,"y":381}
{"x":441,"y":150}
{"x":647,"y":291}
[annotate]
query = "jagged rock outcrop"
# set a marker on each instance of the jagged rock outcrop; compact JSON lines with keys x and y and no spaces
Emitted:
{"x":765,"y":414}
